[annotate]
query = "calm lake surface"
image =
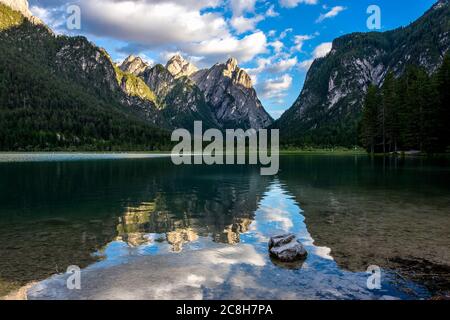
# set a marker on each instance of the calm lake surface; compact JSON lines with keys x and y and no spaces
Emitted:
{"x":142,"y":228}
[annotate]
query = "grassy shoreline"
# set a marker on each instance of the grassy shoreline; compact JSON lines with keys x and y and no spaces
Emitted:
{"x":283,"y":152}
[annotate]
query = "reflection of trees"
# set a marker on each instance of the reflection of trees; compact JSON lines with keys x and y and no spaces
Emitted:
{"x":58,"y":214}
{"x":370,"y":213}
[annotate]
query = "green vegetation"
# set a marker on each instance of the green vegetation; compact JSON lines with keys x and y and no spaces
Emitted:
{"x":324,"y":152}
{"x":61,"y":93}
{"x":328,"y":111}
{"x":9,"y":18}
{"x":64,"y":93}
{"x":134,"y":86}
{"x":185,"y":103}
{"x":408,"y":113}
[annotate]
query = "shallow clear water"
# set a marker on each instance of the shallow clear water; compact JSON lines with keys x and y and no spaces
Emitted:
{"x":203,"y":231}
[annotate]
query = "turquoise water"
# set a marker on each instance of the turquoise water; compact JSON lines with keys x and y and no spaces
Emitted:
{"x":203,"y":231}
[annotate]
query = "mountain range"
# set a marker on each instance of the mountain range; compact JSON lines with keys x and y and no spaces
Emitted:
{"x":222,"y":96}
{"x":63,"y":92}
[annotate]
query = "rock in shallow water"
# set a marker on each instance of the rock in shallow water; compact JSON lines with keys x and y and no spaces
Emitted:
{"x":286,"y":248}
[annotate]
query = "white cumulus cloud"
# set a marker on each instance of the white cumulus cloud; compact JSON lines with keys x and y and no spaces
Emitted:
{"x":299,"y":40}
{"x":330,"y":14}
{"x":295,"y":3}
{"x":195,"y":27}
{"x":319,"y":52}
{"x":239,"y":7}
{"x":322,"y":50}
{"x":242,"y":24}
{"x":244,"y":49}
{"x":276,"y":88}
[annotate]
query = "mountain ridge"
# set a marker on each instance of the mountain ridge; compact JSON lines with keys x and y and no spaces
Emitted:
{"x":227,"y":90}
{"x":132,"y":106}
{"x":327,"y":110}
{"x":60,"y":92}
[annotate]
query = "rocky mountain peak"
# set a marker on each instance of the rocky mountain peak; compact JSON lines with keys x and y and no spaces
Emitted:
{"x":18,"y":5}
{"x":237,"y":75}
{"x":134,"y":65}
{"x":22,"y":7}
{"x":229,"y":90}
{"x":231,"y":64}
{"x":179,"y":67}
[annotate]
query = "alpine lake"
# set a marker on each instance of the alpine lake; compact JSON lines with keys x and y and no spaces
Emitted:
{"x":140,"y":227}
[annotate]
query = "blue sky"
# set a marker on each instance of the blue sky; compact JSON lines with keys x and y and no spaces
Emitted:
{"x":275,"y":41}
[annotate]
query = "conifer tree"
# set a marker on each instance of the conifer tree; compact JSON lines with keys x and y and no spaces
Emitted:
{"x":369,"y":122}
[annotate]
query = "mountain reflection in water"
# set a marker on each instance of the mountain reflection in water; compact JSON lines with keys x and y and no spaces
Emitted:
{"x":205,"y":270}
{"x":203,"y":231}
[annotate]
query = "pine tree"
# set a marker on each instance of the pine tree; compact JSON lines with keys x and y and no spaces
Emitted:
{"x":442,"y":81}
{"x":411,"y":115}
{"x":369,"y":122}
{"x":412,"y":112}
{"x":390,"y":109}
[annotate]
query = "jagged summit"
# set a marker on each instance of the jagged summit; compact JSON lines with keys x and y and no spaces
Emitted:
{"x":235,"y":73}
{"x":232,"y":64}
{"x":228,"y":88}
{"x":179,"y":67}
{"x":134,"y":65}
{"x":18,"y":5}
{"x":174,"y":95}
{"x":224,"y":91}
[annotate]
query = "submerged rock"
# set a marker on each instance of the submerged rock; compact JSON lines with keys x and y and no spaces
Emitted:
{"x":286,"y":248}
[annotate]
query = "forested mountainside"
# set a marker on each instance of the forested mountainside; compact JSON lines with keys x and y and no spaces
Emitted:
{"x":65,"y":93}
{"x":58,"y":92}
{"x":408,"y":113}
{"x":329,"y":107}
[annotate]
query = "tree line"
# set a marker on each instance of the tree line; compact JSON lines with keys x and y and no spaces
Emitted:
{"x":411,"y":112}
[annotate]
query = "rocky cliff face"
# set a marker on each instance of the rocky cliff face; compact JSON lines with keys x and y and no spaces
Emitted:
{"x":229,"y":90}
{"x":92,"y":66}
{"x":134,"y":65}
{"x":329,"y":106}
{"x":179,"y":67}
{"x":159,"y":79}
{"x":78,"y":60}
{"x":177,"y":98}
{"x":222,"y":97}
{"x":22,"y":7}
